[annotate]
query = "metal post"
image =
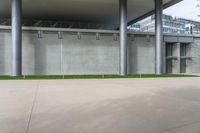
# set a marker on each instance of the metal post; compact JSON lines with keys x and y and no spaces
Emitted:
{"x":16,"y":6}
{"x":159,"y":36}
{"x":123,"y":36}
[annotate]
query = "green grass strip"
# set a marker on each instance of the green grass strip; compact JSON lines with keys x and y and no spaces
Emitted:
{"x":49,"y":77}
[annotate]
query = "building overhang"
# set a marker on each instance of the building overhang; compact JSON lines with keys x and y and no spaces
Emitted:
{"x":101,"y":11}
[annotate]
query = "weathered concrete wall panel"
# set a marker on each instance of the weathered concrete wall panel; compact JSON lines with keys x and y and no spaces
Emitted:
{"x":193,"y":66}
{"x":86,"y":54}
{"x":90,"y":56}
{"x":142,"y":54}
{"x":5,"y":52}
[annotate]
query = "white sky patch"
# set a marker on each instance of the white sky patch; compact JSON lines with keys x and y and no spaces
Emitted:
{"x":185,"y":9}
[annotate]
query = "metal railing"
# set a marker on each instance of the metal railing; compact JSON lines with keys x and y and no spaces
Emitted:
{"x":61,"y":24}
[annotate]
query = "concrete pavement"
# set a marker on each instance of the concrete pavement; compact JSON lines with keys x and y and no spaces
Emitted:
{"x":167,"y":105}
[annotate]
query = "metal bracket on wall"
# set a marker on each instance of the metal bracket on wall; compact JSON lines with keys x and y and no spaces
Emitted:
{"x":60,"y":35}
{"x":79,"y":35}
{"x":148,"y":38}
{"x":132,"y":38}
{"x":97,"y":36}
{"x":115,"y":37}
{"x":40,"y":34}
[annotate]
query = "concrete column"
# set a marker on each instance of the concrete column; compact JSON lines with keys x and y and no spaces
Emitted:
{"x":159,"y":36}
{"x":176,"y":63}
{"x":16,"y":6}
{"x":123,"y":36}
{"x":164,"y":57}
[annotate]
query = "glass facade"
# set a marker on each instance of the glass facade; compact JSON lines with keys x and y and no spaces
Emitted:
{"x":171,"y":25}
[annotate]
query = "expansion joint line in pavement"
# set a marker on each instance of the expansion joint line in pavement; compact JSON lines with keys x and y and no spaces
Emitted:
{"x":33,"y":105}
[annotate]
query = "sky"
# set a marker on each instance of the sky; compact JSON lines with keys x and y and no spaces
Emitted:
{"x":185,"y":9}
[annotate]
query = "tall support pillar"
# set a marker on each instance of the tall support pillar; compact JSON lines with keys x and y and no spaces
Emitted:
{"x":16,"y":7}
{"x":123,"y":36}
{"x":159,"y":35}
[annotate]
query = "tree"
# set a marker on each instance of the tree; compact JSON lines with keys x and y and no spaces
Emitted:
{"x":198,"y":6}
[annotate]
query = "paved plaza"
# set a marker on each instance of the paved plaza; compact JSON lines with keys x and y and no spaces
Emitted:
{"x":166,"y":105}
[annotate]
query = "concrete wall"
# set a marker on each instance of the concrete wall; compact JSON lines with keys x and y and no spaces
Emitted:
{"x":85,"y":54}
{"x":193,"y":66}
{"x":70,"y":55}
{"x":5,"y":52}
{"x":141,"y":54}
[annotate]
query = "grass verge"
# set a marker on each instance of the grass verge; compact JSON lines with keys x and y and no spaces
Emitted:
{"x":43,"y":77}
